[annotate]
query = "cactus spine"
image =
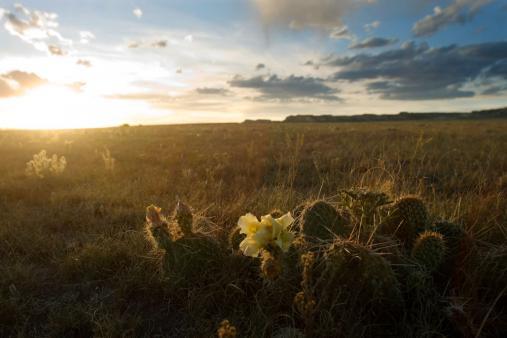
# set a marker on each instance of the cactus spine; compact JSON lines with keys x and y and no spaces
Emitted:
{"x":320,"y":220}
{"x":408,"y":218}
{"x":429,"y":250}
{"x":185,"y":253}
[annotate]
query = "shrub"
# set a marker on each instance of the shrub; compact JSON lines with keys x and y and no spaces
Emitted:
{"x":41,"y":165}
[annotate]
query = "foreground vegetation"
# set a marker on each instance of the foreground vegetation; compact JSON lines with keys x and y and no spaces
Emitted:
{"x":77,"y":258}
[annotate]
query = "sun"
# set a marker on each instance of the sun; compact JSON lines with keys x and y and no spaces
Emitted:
{"x":60,"y":107}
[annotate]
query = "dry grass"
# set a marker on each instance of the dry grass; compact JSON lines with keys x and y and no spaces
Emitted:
{"x":74,"y":261}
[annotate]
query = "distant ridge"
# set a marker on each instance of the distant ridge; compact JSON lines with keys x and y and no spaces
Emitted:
{"x":403,"y":116}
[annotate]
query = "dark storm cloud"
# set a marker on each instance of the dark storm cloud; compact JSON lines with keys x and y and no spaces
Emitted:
{"x":212,"y":91}
{"x":16,"y":82}
{"x":459,"y":11}
{"x":499,"y":69}
{"x":417,"y":72}
{"x":373,"y":43}
{"x":494,"y":90}
{"x":290,"y":88}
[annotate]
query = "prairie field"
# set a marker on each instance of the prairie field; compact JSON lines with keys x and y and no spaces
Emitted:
{"x":77,"y":258}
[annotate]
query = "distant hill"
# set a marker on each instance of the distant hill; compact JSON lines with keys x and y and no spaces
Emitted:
{"x":403,"y":116}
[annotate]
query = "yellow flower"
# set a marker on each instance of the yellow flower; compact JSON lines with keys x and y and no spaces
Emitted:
{"x":268,"y":230}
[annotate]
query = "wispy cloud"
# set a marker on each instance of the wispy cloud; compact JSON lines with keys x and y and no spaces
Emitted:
{"x":342,"y":32}
{"x":458,"y":12}
{"x":138,"y":13}
{"x":86,"y":37}
{"x":297,"y":14}
{"x":260,"y":66}
{"x":16,"y":82}
{"x":84,"y":63}
{"x":37,"y":28}
{"x":373,"y":42}
{"x":143,"y":44}
{"x":369,"y":27}
{"x":213,"y":91}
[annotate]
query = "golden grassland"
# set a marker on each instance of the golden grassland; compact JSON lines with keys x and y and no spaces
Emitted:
{"x":75,"y":262}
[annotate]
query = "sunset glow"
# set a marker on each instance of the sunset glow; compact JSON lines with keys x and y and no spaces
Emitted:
{"x":227,"y":61}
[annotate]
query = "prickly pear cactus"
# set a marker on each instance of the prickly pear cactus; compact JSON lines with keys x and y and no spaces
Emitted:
{"x":276,"y":213}
{"x":354,"y":267}
{"x":453,"y":234}
{"x":184,"y":218}
{"x":271,"y":263}
{"x":186,"y":253}
{"x":407,"y":218}
{"x":320,"y":220}
{"x":298,"y":210}
{"x":351,"y":281}
{"x":364,"y":205}
{"x":429,"y":250}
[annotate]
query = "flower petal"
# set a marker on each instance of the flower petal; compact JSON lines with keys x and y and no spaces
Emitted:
{"x":250,"y":247}
{"x":286,"y":220}
{"x":248,"y":224}
{"x":263,"y":235}
{"x":285,"y":239}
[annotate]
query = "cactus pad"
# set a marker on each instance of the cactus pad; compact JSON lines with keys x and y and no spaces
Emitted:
{"x":429,"y":250}
{"x":408,"y":218}
{"x":320,"y":220}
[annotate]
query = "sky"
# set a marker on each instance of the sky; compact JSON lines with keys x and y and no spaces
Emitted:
{"x":95,"y":63}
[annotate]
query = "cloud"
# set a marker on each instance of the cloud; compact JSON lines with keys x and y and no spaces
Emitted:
{"x":260,"y":66}
{"x":272,"y":88}
{"x":77,"y":86}
{"x":84,"y":63}
{"x":342,"y":32}
{"x":494,"y":90}
{"x":138,"y":13}
{"x":418,"y":72}
{"x":35,"y":27}
{"x":134,"y":44}
{"x":298,"y":14}
{"x":212,"y":91}
{"x":499,"y":69}
{"x":86,"y":37}
{"x":373,"y":43}
{"x":154,"y":44}
{"x":55,"y":50}
{"x":369,"y":27}
{"x":17,"y":82}
{"x":159,"y":44}
{"x":458,"y":12}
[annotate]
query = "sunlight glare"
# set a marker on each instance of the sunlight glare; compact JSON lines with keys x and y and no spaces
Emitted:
{"x":61,"y":107}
